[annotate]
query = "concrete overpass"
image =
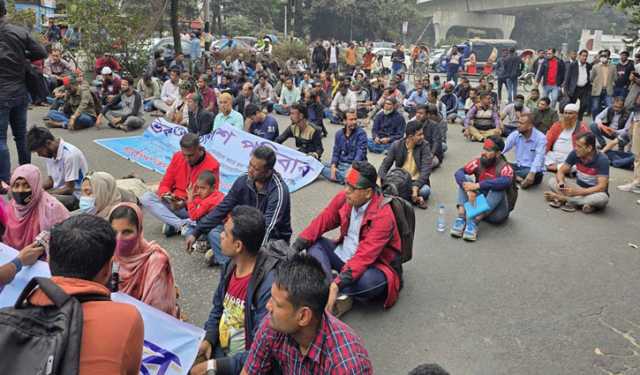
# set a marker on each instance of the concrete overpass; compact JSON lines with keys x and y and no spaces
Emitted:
{"x":482,"y":15}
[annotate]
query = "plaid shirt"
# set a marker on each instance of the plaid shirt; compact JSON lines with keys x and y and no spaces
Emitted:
{"x":336,"y":350}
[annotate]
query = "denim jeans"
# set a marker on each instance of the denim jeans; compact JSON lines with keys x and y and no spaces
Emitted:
{"x":552,"y":93}
{"x":498,"y":205}
{"x":148,"y":105}
{"x":214,"y":241}
{"x":599,"y":134}
{"x":13,"y":111}
{"x":621,"y":159}
{"x":159,"y":209}
{"x":341,"y":170}
{"x":82,"y":122}
{"x":620,"y":91}
{"x":424,"y":191}
{"x":596,"y":103}
{"x":377,"y":148}
{"x":512,"y":88}
{"x":281,"y":110}
{"x":372,"y":284}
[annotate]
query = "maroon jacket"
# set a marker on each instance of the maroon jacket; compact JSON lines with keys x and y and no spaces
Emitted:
{"x":379,"y":244}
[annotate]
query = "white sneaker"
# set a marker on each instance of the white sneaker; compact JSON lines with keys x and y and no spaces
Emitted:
{"x":629,"y":187}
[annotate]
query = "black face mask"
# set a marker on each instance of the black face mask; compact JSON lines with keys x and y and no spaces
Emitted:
{"x":486,"y":162}
{"x":22,"y":198}
{"x":518,"y":105}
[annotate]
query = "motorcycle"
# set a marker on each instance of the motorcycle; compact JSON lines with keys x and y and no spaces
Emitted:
{"x":527,"y":81}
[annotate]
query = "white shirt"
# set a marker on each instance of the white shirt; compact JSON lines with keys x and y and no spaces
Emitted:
{"x":68,"y":165}
{"x":333,"y":58}
{"x":169,"y":91}
{"x":347,"y":249}
{"x":582,"y":75}
{"x":564,"y":143}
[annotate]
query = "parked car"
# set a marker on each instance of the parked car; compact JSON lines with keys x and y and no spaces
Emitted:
{"x":166,"y":44}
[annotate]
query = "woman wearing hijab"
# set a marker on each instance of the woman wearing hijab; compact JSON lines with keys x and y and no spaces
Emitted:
{"x":100,"y":194}
{"x":31,"y":209}
{"x":145,"y":272}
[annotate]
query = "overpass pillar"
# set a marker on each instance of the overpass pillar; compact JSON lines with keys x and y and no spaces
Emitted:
{"x":445,"y":20}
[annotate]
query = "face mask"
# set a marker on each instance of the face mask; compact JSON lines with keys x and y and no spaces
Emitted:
{"x":486,"y":162}
{"x":124,"y":247}
{"x":22,"y":198}
{"x":604,"y":60}
{"x":87,"y":203}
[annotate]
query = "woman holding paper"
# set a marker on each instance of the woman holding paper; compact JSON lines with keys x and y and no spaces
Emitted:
{"x":144,"y":268}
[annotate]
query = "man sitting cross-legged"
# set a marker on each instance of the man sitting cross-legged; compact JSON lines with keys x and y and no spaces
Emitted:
{"x":592,"y":180}
{"x":493,"y":176}
{"x":367,"y":252}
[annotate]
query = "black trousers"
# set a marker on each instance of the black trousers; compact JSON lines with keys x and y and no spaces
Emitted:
{"x":584,"y":95}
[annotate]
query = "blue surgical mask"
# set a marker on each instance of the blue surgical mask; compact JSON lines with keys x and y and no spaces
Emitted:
{"x":87,"y":203}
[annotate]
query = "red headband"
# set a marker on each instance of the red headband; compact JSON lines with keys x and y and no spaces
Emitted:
{"x":356,"y":180}
{"x":489,"y":144}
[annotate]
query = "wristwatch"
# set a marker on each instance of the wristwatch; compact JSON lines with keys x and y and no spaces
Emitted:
{"x":211,"y":367}
{"x":17,"y":263}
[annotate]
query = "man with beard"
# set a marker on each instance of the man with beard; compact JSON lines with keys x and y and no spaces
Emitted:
{"x":111,"y":85}
{"x":544,"y":116}
{"x":169,"y":203}
{"x":493,"y":177}
{"x":433,"y":127}
{"x":308,"y":137}
{"x":561,"y":138}
{"x":511,"y":113}
{"x":530,"y":147}
{"x":590,"y":192}
{"x":79,"y":109}
{"x":611,"y":122}
{"x":261,"y":187}
{"x":388,"y":127}
{"x":413,"y":155}
{"x":350,"y":145}
{"x":482,"y":120}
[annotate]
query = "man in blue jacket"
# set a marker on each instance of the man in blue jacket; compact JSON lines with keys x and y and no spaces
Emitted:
{"x":262,"y":187}
{"x":240,"y":301}
{"x":350,"y":145}
{"x":388,"y":127}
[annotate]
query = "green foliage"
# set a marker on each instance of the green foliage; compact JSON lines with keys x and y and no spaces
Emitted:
{"x":632,"y":10}
{"x":240,"y":25}
{"x":295,"y":49}
{"x":24,"y":17}
{"x":113,"y":26}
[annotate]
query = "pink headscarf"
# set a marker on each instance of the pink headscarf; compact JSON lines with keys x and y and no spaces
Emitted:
{"x":146,"y":273}
{"x":25,"y":222}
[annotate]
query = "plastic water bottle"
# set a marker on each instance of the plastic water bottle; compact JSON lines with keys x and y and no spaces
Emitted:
{"x":441,"y":224}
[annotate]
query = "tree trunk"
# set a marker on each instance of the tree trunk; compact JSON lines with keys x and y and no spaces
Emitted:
{"x":177,"y":42}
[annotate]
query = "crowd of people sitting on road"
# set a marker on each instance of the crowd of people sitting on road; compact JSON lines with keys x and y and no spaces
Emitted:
{"x":280,"y":295}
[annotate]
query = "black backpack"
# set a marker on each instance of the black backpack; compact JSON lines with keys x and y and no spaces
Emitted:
{"x":398,"y":183}
{"x":406,"y":222}
{"x":43,"y":340}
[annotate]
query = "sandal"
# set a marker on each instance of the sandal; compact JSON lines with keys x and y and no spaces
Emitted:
{"x":587,"y":209}
{"x":555,"y":203}
{"x":568,"y":208}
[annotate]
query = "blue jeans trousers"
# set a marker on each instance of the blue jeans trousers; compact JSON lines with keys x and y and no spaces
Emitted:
{"x":552,"y":93}
{"x":499,"y":207}
{"x":214,"y":241}
{"x":341,"y":170}
{"x":599,"y":102}
{"x":13,"y":111}
{"x":377,"y":148}
{"x":371,"y":285}
{"x":82,"y":122}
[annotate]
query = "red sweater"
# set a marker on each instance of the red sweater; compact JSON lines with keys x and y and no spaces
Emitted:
{"x":199,"y":207}
{"x":180,"y":174}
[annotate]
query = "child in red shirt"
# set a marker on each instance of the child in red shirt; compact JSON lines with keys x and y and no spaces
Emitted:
{"x":203,"y":197}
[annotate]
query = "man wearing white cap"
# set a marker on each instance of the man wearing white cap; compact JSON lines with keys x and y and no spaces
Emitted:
{"x":110,"y":85}
{"x":561,"y":137}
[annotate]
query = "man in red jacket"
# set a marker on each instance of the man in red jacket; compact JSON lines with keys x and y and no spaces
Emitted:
{"x":367,"y":252}
{"x":169,"y":204}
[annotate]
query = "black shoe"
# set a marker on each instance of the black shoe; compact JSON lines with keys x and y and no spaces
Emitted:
{"x":168,"y":230}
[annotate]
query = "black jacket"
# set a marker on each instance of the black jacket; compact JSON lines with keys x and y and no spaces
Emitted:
{"x":433,"y":135}
{"x":201,"y":123}
{"x":398,"y":155}
{"x":542,"y":72}
{"x":241,"y":102}
{"x":274,"y":203}
{"x":571,"y":82}
{"x":308,"y":141}
{"x":255,"y":308}
{"x":16,"y":47}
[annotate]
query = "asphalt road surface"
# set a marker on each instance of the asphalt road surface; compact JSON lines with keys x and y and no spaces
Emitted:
{"x":548,"y":292}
